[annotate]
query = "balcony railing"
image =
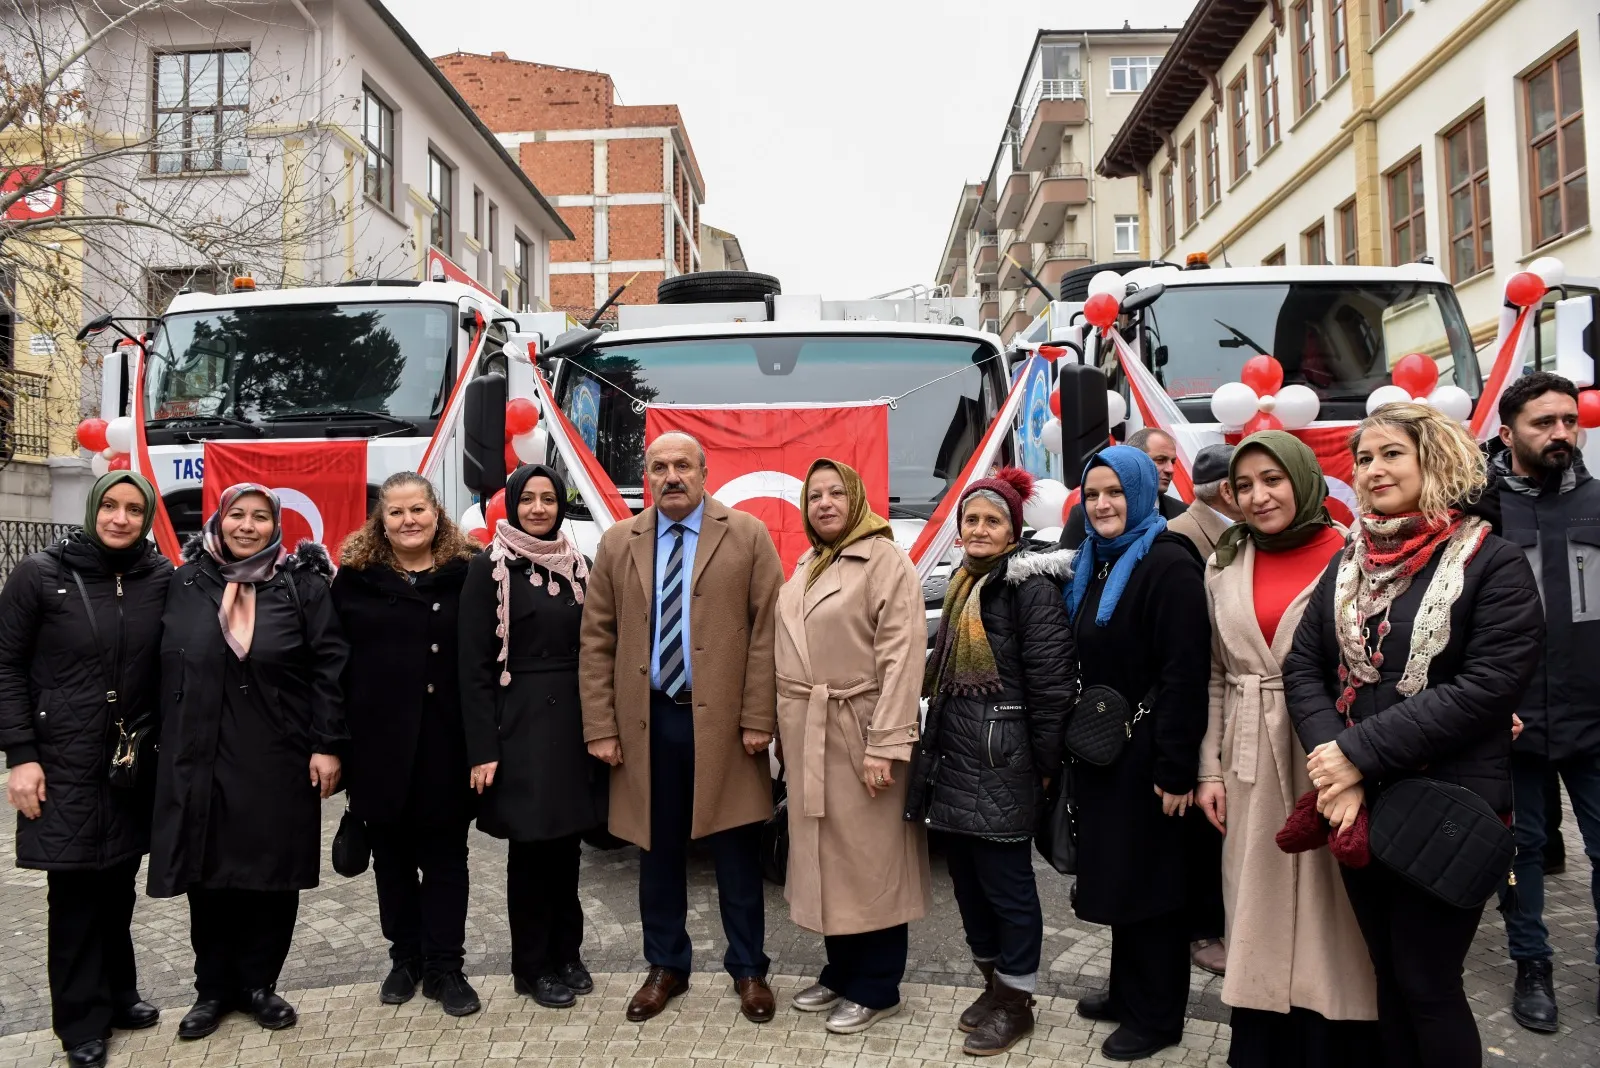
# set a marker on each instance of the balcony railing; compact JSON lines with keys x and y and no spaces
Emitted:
{"x":24,"y":419}
{"x":1064,"y":170}
{"x":1066,"y":250}
{"x":988,"y":296}
{"x":983,"y":240}
{"x":1050,"y":89}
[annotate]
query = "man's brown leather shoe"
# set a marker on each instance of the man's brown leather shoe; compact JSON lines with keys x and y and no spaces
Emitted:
{"x":660,"y":986}
{"x":755,"y":999}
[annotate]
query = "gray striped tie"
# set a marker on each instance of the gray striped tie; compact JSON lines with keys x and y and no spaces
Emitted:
{"x":673,"y":667}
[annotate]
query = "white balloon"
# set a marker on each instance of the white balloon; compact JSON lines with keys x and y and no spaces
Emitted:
{"x":1297,"y":407}
{"x":532,"y":447}
{"x":1116,"y":407}
{"x":1583,"y":437}
{"x":472,"y":518}
{"x":1050,"y":435}
{"x":99,"y":465}
{"x":1551,"y":271}
{"x":1043,"y":509}
{"x":1266,"y":403}
{"x":119,"y":434}
{"x":1390,"y":394}
{"x":1108,"y":282}
{"x":109,"y":454}
{"x":1234,"y":403}
{"x":1452,"y":401}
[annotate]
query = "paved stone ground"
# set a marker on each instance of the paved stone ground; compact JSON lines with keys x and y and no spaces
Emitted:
{"x":339,"y":955}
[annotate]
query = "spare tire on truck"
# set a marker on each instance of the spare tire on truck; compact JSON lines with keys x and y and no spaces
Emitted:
{"x":717,"y":287}
{"x":1075,"y":284}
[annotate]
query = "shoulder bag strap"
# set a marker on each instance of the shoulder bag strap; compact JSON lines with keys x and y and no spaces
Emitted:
{"x":94,"y":633}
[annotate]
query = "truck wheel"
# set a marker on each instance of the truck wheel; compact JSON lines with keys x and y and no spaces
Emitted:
{"x":717,"y":287}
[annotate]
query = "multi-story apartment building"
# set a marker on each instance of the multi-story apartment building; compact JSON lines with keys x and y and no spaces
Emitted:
{"x":624,"y":177}
{"x":1042,"y":207}
{"x":1373,"y":132}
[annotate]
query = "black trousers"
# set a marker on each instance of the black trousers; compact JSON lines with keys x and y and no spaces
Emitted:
{"x":90,"y":955}
{"x":241,"y":939}
{"x":421,"y":873}
{"x":999,"y":901}
{"x":1150,"y":974}
{"x":1202,"y":859}
{"x":542,"y":902}
{"x":866,"y":968}
{"x":1418,"y":946}
{"x":663,"y":868}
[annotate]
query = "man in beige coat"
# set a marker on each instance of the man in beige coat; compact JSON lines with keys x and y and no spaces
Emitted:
{"x":1213,"y":510}
{"x":679,"y":697}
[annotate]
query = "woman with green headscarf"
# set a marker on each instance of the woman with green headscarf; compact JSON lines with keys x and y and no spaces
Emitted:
{"x":850,"y":639}
{"x":80,"y":639}
{"x":1299,"y":979}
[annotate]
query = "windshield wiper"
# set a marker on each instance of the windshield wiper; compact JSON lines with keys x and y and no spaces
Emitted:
{"x":338,"y":413}
{"x":179,"y":422}
{"x":1241,"y":339}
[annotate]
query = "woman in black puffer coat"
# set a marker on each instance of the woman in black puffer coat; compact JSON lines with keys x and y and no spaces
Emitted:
{"x":1379,"y":693}
{"x":58,"y":725}
{"x":1001,"y":680}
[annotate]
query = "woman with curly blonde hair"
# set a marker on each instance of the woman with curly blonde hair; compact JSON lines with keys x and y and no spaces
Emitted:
{"x":397,"y":592}
{"x":1409,"y":660}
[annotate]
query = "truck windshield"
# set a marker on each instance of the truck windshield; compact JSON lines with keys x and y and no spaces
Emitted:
{"x":932,"y":432}
{"x":277,"y":361}
{"x":1339,"y":338}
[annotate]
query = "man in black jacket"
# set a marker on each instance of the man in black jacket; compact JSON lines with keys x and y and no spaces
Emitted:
{"x":1551,"y":508}
{"x":1159,"y":446}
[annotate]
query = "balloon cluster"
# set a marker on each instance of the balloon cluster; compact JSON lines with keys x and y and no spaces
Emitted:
{"x":526,"y":443}
{"x":1048,"y":506}
{"x":1260,"y":401}
{"x":111,"y":443}
{"x":1050,"y":434}
{"x":1416,"y":378}
{"x":1104,"y":303}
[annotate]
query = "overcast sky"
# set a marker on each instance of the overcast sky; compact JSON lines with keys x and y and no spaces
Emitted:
{"x":834,"y":135}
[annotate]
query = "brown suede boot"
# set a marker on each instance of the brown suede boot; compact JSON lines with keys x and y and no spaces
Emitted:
{"x":1010,"y":1020}
{"x":978,"y":1011}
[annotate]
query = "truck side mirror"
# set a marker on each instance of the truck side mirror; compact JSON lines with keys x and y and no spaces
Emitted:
{"x":1084,"y":420}
{"x":483,"y":434}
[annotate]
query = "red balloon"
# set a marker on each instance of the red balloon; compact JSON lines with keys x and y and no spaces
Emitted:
{"x":1589,"y":409}
{"x":92,"y":434}
{"x":1055,"y":403}
{"x":522,"y":415}
{"x":1524,"y":289}
{"x":479,"y":535}
{"x":1101,"y":310}
{"x":1263,"y":374}
{"x":119,"y":462}
{"x":1259,"y":422}
{"x":495,"y":510}
{"x":1416,"y":374}
{"x":1051,"y":353}
{"x":512,"y":462}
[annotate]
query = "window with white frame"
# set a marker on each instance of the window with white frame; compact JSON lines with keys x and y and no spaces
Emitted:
{"x":1130,"y":74}
{"x":1127,"y":233}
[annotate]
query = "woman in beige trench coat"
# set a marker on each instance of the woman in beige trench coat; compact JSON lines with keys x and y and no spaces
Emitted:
{"x":850,"y":642}
{"x":1299,"y":979}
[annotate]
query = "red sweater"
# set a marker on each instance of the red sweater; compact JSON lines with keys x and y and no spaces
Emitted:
{"x":1281,"y":576}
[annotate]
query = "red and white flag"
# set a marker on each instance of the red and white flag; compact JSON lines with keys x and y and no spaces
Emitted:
{"x":1510,"y":346}
{"x":322,"y":484}
{"x":757,"y":457}
{"x":1157,"y":411}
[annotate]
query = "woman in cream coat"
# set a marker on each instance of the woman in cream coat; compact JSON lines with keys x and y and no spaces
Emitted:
{"x":850,"y":641}
{"x":1299,"y":979}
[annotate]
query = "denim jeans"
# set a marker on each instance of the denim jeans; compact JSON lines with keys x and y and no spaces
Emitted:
{"x":1524,"y":909}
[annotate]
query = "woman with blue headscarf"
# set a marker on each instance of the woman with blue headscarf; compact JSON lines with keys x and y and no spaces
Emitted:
{"x":1138,"y":604}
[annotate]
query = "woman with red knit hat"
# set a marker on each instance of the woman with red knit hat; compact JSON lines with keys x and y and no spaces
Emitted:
{"x":1000,"y":682}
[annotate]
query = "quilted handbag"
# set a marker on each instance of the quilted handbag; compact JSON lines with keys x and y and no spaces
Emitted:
{"x":1442,"y":838}
{"x":1100,"y":725}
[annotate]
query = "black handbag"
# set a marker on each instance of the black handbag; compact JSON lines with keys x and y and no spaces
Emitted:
{"x":1057,"y":836}
{"x":352,"y":850}
{"x":775,"y":834}
{"x":1101,"y":724}
{"x":1443,"y":839}
{"x":135,"y":745}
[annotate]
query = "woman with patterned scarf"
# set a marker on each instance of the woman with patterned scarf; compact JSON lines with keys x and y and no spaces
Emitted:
{"x":1000,"y":681}
{"x":1409,"y":660}
{"x":1138,"y":607}
{"x":520,"y":612}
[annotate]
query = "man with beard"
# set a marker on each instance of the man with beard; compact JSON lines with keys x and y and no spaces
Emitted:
{"x":1551,"y":507}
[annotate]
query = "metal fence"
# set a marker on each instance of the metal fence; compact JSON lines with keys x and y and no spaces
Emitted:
{"x":20,"y":538}
{"x":24,"y":418}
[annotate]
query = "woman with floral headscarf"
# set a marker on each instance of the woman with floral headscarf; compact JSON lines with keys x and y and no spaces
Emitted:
{"x":521,"y":608}
{"x":1138,"y":607}
{"x":252,"y":725}
{"x":1299,"y":979}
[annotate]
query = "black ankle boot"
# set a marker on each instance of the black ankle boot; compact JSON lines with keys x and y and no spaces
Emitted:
{"x":978,"y":1011}
{"x":1533,"y":998}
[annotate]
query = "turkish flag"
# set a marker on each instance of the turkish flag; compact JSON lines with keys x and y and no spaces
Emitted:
{"x":322,"y":484}
{"x":1332,"y":446}
{"x":42,"y":203}
{"x":757,"y":458}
